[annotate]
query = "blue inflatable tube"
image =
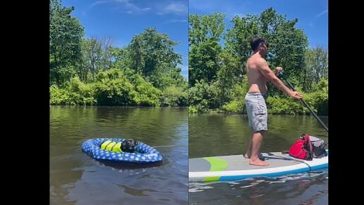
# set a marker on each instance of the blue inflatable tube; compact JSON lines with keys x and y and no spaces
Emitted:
{"x":144,"y":153}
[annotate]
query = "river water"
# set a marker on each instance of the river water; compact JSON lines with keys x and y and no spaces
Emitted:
{"x":75,"y":178}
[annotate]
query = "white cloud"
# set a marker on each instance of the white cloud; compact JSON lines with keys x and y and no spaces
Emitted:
{"x":99,"y":2}
{"x":140,"y":7}
{"x":173,"y":8}
{"x":127,"y":5}
{"x":176,"y":7}
{"x":131,"y":7}
{"x":322,"y":13}
{"x":311,"y":24}
{"x":176,"y":21}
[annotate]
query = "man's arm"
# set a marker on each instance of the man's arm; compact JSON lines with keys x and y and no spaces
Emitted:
{"x":271,"y":76}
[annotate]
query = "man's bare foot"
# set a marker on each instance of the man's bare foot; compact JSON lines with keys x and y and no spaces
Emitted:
{"x":261,"y":157}
{"x":258,"y":162}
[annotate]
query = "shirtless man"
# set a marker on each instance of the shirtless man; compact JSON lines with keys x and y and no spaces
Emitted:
{"x":259,"y":74}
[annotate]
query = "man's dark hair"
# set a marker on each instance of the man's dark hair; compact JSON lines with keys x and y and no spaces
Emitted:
{"x":255,"y":42}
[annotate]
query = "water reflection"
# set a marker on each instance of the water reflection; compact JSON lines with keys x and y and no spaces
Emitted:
{"x":294,"y":189}
{"x":78,"y":179}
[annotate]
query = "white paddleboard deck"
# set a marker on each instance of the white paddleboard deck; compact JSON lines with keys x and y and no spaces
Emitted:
{"x":236,"y":167}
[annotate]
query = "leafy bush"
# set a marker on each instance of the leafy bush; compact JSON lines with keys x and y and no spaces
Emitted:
{"x":237,"y":104}
{"x":174,"y":96}
{"x":74,"y":93}
{"x":81,"y":93}
{"x":234,"y":106}
{"x":316,"y":100}
{"x":145,"y":93}
{"x":113,"y":88}
{"x":58,"y":96}
{"x":203,"y":96}
{"x":283,"y":105}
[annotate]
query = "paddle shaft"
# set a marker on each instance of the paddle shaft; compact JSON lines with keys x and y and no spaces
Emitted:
{"x":308,"y":107}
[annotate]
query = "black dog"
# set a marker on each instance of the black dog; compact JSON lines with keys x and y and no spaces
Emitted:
{"x":129,"y":145}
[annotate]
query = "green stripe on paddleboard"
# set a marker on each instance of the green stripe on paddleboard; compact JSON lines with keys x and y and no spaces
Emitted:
{"x":216,"y":164}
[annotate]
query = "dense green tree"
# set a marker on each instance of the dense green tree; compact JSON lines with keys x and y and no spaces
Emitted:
{"x":316,"y":67}
{"x":152,"y":55}
{"x":65,"y":43}
{"x":287,"y":44}
{"x":205,"y":33}
{"x":96,"y":55}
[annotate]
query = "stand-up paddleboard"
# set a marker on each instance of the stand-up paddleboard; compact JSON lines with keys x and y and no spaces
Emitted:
{"x":236,"y":167}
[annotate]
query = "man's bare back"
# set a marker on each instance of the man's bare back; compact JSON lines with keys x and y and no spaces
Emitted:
{"x":257,"y":82}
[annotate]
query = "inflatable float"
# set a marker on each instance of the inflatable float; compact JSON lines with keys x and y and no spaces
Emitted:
{"x":144,"y":154}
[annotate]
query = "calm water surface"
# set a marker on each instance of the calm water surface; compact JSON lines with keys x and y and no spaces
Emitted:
{"x":75,"y":178}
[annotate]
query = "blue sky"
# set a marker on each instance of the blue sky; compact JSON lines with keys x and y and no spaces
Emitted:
{"x":312,"y":15}
{"x":120,"y":20}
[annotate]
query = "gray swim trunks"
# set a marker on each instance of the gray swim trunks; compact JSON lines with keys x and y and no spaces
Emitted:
{"x":257,"y":111}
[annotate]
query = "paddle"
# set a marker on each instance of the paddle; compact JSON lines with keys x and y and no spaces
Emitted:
{"x":280,"y":75}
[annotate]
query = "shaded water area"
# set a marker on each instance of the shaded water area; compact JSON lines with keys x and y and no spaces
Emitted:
{"x":75,"y":178}
{"x":219,"y":134}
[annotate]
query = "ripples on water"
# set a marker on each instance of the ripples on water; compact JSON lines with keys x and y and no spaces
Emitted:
{"x":75,"y":178}
{"x":301,"y":189}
